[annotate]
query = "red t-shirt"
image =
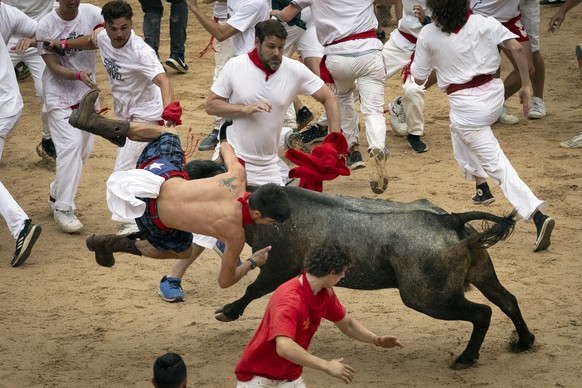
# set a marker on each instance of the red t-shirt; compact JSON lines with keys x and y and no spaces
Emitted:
{"x":290,"y":313}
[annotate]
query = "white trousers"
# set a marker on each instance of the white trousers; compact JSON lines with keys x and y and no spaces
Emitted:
{"x":368,"y":71}
{"x":476,"y":149}
{"x":7,"y":124}
{"x":413,"y":98}
{"x":11,"y":212}
{"x":36,"y":64}
{"x":258,"y":382}
{"x":73,"y":148}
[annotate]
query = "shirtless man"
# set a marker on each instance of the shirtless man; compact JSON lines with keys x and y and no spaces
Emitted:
{"x":168,"y":207}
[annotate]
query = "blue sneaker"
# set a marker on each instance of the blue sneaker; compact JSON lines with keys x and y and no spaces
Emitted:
{"x":219,"y":249}
{"x":171,"y":290}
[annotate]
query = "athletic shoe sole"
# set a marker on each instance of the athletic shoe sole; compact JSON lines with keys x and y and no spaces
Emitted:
{"x":485,"y":202}
{"x":543,"y":240}
{"x":171,"y":300}
{"x":171,"y":62}
{"x":378,"y":181}
{"x":27,"y":245}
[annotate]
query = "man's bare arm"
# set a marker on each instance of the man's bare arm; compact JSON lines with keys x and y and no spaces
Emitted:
{"x":221,"y":32}
{"x":219,"y":106}
{"x":230,"y":270}
{"x":63,"y":72}
{"x":325,"y":96}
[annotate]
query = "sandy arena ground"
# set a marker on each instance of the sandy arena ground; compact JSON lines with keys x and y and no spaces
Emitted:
{"x":67,"y":322}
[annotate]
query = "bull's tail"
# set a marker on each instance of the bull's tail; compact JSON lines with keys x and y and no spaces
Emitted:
{"x":501,"y":229}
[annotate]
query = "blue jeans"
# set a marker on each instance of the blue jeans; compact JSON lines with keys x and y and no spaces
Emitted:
{"x":153,"y":10}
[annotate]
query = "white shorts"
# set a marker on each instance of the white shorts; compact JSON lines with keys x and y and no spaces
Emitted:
{"x":530,"y":18}
{"x":258,"y":381}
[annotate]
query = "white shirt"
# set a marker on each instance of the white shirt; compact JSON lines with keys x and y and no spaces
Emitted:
{"x":35,"y":9}
{"x":12,"y":21}
{"x":457,"y":58}
{"x":255,"y":138}
{"x":336,"y":19}
{"x":409,"y":24}
{"x":59,"y":92}
{"x":131,"y":70}
{"x":244,"y":15}
{"x":502,"y":10}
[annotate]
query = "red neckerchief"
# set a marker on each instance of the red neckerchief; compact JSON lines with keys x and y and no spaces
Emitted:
{"x":246,"y":210}
{"x":456,"y":30}
{"x":314,"y":301}
{"x":254,"y":56}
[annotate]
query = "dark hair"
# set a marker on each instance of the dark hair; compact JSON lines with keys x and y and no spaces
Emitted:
{"x":327,"y":257}
{"x":272,"y":201}
{"x":169,"y":371}
{"x":448,"y":15}
{"x":199,"y":169}
{"x":116,"y":9}
{"x":270,"y":28}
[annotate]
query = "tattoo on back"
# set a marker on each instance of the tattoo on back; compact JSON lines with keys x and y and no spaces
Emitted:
{"x":228,"y":183}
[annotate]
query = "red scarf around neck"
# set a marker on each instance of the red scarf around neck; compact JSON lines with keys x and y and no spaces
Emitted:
{"x":254,"y":56}
{"x":245,"y":209}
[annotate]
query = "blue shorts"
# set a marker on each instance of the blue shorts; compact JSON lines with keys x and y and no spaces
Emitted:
{"x":166,"y":153}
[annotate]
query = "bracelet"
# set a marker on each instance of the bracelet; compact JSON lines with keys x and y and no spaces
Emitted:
{"x":64,"y":44}
{"x":277,"y":16}
{"x":78,"y":75}
{"x":427,"y":20}
{"x":253,"y":263}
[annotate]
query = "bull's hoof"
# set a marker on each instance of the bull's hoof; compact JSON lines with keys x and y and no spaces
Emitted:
{"x":464,"y":362}
{"x":521,"y":346}
{"x":225,"y":317}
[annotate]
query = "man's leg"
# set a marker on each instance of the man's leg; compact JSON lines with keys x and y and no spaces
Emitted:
{"x":171,"y":285}
{"x":178,"y":23}
{"x":153,"y":10}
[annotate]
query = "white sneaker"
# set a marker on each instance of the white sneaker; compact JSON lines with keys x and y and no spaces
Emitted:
{"x":397,"y":117}
{"x":127,"y":228}
{"x":537,"y":110}
{"x":68,"y":221}
{"x":575,"y":142}
{"x":506,"y":118}
{"x":51,"y":199}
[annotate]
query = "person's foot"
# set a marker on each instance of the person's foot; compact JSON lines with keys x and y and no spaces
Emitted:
{"x":171,"y":289}
{"x":507,"y":118}
{"x":483,"y":195}
{"x":416,"y":144}
{"x":46,"y":150}
{"x":314,"y":134}
{"x":25,"y":241}
{"x":303,"y":117}
{"x":575,"y":142}
{"x":383,"y":14}
{"x":544,"y":226}
{"x":354,"y":161}
{"x":397,"y":117}
{"x":537,"y":110}
{"x":210,"y":142}
{"x":104,"y":245}
{"x":379,"y":178}
{"x":86,"y":119}
{"x":68,"y":221}
{"x":177,"y":63}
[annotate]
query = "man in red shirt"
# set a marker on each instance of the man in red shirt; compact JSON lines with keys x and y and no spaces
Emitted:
{"x":278,"y":352}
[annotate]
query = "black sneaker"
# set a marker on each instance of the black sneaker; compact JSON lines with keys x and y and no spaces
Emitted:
{"x":24,"y":243}
{"x":46,"y":150}
{"x":483,"y":195}
{"x":416,"y":144}
{"x":314,"y":134}
{"x":177,"y":63}
{"x":303,"y":117}
{"x":210,"y":142}
{"x":294,"y":140}
{"x":544,"y":226}
{"x":355,"y":161}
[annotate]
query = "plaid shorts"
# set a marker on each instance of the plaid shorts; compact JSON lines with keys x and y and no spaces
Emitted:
{"x":165,"y":148}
